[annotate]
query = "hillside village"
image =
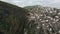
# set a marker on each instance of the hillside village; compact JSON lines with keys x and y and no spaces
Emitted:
{"x":29,"y":20}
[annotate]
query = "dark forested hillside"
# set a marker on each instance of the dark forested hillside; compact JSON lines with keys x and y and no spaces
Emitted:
{"x":12,"y":19}
{"x":43,"y":20}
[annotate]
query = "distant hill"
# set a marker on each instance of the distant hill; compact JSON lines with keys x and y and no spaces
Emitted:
{"x":43,"y":20}
{"x":12,"y":18}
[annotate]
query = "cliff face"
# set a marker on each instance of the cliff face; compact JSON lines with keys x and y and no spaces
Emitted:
{"x":12,"y":19}
{"x":43,"y":20}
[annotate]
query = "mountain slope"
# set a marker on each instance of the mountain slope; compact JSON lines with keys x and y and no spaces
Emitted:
{"x":43,"y":20}
{"x":12,"y":18}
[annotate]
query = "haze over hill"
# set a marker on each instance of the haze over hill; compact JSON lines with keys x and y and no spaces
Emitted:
{"x":22,"y":3}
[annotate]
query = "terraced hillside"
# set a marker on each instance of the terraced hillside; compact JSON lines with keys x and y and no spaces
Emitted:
{"x":12,"y":19}
{"x":43,"y":20}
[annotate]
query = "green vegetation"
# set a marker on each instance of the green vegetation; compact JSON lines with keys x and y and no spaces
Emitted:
{"x":12,"y":18}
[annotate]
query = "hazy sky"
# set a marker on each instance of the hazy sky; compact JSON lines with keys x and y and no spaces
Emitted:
{"x":23,"y":3}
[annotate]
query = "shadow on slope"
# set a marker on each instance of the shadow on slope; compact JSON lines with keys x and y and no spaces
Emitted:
{"x":12,"y":18}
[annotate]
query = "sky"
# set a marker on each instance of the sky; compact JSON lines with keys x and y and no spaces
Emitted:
{"x":22,"y":3}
